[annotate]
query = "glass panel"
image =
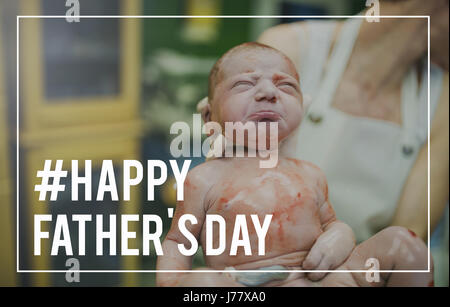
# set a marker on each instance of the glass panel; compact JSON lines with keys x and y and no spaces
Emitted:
{"x":81,"y":59}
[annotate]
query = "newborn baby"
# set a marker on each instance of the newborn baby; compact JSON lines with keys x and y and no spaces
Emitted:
{"x":256,"y":83}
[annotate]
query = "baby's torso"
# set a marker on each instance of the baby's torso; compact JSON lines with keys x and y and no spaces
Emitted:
{"x":290,"y":192}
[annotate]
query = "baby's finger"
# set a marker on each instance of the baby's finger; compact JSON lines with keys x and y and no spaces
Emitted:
{"x":313,"y":259}
{"x":324,"y":265}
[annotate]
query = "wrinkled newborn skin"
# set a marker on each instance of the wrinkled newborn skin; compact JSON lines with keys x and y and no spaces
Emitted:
{"x":263,"y":85}
{"x":293,"y":192}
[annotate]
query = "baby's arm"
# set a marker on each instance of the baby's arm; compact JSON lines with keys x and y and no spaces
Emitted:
{"x":334,"y":245}
{"x":173,"y":259}
{"x":197,"y":184}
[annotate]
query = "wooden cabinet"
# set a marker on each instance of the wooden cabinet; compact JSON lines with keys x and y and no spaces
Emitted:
{"x":79,"y":100}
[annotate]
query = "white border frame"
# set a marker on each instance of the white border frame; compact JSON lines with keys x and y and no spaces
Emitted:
{"x":18,"y":270}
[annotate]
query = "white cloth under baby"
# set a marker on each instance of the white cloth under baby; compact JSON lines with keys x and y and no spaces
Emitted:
{"x":366,"y":161}
{"x":255,"y":279}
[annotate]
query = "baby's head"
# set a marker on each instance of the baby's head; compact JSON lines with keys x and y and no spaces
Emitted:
{"x":253,"y":82}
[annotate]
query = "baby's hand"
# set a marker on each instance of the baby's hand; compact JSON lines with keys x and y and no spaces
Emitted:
{"x":330,"y":250}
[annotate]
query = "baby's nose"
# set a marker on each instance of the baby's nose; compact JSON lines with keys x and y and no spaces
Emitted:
{"x":266,"y":92}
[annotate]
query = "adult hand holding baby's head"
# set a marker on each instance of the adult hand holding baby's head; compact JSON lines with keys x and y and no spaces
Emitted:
{"x":203,"y":108}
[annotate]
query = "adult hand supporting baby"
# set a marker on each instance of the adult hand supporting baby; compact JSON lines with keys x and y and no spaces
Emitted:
{"x":330,"y":250}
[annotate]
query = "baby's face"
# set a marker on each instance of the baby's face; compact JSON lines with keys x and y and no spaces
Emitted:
{"x":258,"y":86}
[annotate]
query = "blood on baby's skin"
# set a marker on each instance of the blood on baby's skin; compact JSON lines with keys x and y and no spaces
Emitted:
{"x":412,"y":233}
{"x":269,"y":240}
{"x":284,"y":212}
{"x":280,"y":231}
{"x":289,"y":192}
{"x":277,"y":78}
{"x":220,"y":204}
{"x":188,"y":185}
{"x":223,"y":200}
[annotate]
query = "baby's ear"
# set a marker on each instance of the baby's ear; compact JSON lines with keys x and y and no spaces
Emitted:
{"x":204,"y":108}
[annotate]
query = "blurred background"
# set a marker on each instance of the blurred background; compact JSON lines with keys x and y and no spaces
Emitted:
{"x":108,"y":89}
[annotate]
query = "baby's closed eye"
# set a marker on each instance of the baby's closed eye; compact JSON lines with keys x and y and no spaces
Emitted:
{"x":288,"y":86}
{"x":243,"y":84}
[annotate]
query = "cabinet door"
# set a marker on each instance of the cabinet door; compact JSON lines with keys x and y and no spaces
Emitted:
{"x":114,"y":148}
{"x":79,"y":73}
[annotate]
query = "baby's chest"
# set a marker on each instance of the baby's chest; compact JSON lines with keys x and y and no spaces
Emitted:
{"x":285,"y":195}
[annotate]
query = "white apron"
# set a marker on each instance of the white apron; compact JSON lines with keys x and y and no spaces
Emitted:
{"x":366,"y":160}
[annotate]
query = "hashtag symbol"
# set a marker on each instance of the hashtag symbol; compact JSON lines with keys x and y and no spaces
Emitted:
{"x":46,"y":174}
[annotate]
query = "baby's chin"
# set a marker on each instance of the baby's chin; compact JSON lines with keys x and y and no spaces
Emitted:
{"x":259,"y":135}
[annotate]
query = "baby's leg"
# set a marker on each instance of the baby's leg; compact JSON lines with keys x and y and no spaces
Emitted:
{"x":395,"y":248}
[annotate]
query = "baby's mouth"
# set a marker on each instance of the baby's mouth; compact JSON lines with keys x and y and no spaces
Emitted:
{"x":266,"y":120}
{"x":265,"y":116}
